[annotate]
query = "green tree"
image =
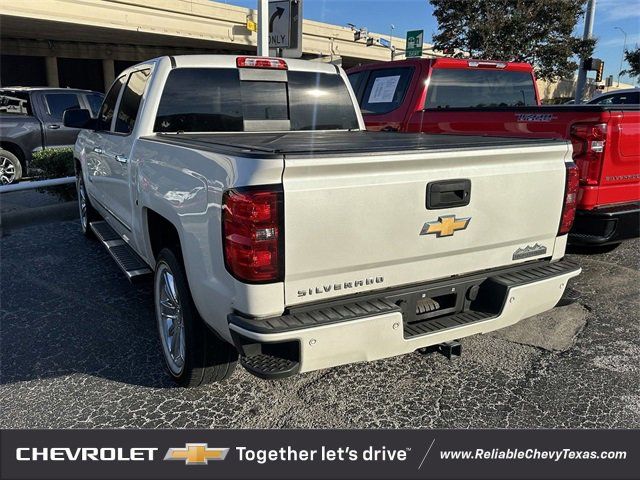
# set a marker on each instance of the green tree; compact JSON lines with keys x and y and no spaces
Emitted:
{"x":539,"y":32}
{"x":633,"y":59}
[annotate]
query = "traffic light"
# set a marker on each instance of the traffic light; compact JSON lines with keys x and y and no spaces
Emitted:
{"x":370,"y":41}
{"x":596,"y":65}
{"x":357,"y":35}
{"x":599,"y":71}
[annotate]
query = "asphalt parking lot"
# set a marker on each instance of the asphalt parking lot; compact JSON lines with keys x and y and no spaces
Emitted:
{"x":79,"y":350}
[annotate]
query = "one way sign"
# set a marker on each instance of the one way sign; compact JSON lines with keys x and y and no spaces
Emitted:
{"x":279,"y":24}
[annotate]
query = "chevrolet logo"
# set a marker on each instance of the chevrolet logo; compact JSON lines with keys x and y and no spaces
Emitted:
{"x":445,"y":226}
{"x":196,"y":454}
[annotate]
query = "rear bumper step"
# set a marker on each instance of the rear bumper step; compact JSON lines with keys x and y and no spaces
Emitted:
{"x":367,"y":327}
{"x":606,"y":225}
{"x":129,"y":262}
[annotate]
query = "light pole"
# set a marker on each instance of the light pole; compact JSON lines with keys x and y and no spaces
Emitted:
{"x":391,"y":41}
{"x":588,"y":30}
{"x":624,"y":47}
{"x":263,"y":28}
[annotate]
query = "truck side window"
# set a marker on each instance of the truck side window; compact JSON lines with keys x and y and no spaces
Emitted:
{"x":57,"y":103}
{"x":471,"y":88}
{"x":130,"y":102}
{"x":109,"y":105}
{"x":385,"y":89}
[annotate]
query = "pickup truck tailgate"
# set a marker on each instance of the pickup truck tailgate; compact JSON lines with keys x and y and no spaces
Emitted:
{"x":357,"y":219}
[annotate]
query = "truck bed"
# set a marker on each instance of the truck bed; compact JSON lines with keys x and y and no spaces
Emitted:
{"x":334,"y":143}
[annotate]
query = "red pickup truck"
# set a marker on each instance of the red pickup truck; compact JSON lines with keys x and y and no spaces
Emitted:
{"x":457,"y":96}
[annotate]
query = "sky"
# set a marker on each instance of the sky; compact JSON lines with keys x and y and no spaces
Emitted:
{"x":378,"y":15}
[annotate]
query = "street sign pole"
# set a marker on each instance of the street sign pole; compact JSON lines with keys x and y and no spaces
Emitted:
{"x":414,"y":43}
{"x":285,"y":28}
{"x":263,"y":28}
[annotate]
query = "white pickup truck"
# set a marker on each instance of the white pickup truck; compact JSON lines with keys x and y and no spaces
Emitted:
{"x":278,"y":230}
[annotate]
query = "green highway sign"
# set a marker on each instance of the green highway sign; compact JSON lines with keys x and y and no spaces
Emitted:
{"x":414,"y":43}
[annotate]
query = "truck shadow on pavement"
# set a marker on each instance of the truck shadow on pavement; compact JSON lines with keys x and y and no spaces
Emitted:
{"x":67,"y":308}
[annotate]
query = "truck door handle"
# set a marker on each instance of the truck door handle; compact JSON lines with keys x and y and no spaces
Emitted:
{"x":448,"y":194}
{"x":121,"y":158}
{"x":54,"y":127}
{"x":97,"y":150}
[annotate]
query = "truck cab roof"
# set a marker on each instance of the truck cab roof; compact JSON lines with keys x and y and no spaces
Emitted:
{"x":43,"y":89}
{"x":231,"y":61}
{"x":447,"y":62}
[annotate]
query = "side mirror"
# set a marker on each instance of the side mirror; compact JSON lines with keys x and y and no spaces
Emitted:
{"x":78,"y":118}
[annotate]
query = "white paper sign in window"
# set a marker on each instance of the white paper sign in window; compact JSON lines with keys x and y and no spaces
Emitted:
{"x":383,"y":90}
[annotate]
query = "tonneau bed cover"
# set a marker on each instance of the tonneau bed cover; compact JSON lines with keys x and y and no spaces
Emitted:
{"x":334,"y":143}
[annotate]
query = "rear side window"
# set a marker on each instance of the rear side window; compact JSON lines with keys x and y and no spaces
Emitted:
{"x":57,"y":103}
{"x":15,"y":103}
{"x":216,"y":100}
{"x":109,"y":105}
{"x":385,"y":90}
{"x":130,"y":102}
{"x":450,"y":88}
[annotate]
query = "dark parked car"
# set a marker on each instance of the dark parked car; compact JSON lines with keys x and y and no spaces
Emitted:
{"x":31,"y":119}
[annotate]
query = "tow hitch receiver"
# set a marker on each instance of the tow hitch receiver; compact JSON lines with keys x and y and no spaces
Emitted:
{"x":448,"y":349}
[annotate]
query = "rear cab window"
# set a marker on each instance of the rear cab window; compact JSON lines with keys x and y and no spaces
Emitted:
{"x":15,"y":103}
{"x":217,"y":100}
{"x":385,"y":90}
{"x":477,"y":88}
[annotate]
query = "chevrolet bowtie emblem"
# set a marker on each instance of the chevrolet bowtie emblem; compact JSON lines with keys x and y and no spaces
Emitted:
{"x":445,"y":226}
{"x":196,"y":454}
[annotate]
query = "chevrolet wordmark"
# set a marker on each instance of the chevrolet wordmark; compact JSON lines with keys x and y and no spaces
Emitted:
{"x":278,"y":230}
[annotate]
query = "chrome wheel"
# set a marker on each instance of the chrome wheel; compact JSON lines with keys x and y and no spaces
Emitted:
{"x":7,"y":171}
{"x":170,"y":319}
{"x":82,"y":204}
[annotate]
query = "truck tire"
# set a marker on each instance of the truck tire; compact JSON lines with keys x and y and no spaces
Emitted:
{"x":87,"y":213}
{"x":193,"y":354}
{"x":10,"y":167}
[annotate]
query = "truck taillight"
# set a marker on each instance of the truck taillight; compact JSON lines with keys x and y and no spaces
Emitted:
{"x":253,"y":235}
{"x":588,"y":141}
{"x":261,"y":62}
{"x":570,"y":200}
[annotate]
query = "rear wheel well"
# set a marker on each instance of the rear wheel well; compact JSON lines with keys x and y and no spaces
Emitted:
{"x":162,"y":234}
{"x":17,"y":151}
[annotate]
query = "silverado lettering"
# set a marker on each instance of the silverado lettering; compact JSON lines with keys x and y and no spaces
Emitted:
{"x":341,"y":286}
